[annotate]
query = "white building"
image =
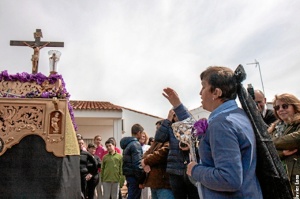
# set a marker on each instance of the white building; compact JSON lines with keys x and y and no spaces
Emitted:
{"x":199,"y":113}
{"x":109,"y":120}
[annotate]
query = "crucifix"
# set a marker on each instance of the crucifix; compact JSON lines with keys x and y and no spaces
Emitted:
{"x":36,"y":45}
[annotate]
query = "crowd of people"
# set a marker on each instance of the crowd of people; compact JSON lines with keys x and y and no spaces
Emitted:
{"x":100,"y":169}
{"x":160,"y":167}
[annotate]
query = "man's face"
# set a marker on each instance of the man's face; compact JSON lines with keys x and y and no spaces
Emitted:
{"x":97,"y":141}
{"x":81,"y":144}
{"x":206,"y":96}
{"x":92,"y":150}
{"x":143,"y":139}
{"x":139,"y":135}
{"x":260,"y":101}
{"x":110,"y":147}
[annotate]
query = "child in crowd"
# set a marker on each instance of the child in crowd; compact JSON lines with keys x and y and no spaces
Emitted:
{"x":100,"y":152}
{"x":122,"y":179}
{"x":88,"y":170}
{"x":132,"y":156}
{"x":94,"y":180}
{"x":111,"y":171}
{"x":146,"y":192}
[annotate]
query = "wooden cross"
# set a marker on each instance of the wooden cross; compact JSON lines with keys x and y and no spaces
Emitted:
{"x":36,"y":45}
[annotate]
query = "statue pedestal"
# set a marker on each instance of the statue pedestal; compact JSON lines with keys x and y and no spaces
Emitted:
{"x":39,"y":153}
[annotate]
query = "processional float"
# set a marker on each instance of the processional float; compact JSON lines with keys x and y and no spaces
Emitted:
{"x":39,"y":153}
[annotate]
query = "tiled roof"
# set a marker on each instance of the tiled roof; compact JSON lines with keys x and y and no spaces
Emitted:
{"x":94,"y":105}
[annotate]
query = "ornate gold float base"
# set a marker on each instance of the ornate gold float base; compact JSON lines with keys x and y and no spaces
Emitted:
{"x":48,"y":118}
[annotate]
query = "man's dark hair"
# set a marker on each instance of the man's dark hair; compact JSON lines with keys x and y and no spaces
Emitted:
{"x":222,"y":78}
{"x":113,"y":139}
{"x":159,"y":122}
{"x":91,"y":145}
{"x":136,"y":128}
{"x":79,"y":136}
{"x":110,"y":141}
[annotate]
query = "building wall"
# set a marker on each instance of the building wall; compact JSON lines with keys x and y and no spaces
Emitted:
{"x":131,"y":117}
{"x":199,"y":113}
{"x":111,"y":124}
{"x":90,"y":131}
{"x":118,"y":124}
{"x":98,"y":122}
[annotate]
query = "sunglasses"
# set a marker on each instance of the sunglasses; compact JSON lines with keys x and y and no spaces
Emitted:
{"x":284,"y":106}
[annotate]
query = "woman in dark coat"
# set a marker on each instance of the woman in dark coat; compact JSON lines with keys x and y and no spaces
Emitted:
{"x":154,"y":163}
{"x":88,"y":172}
{"x":286,"y":136}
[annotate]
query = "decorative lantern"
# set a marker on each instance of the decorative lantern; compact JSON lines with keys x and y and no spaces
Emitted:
{"x":54,"y":56}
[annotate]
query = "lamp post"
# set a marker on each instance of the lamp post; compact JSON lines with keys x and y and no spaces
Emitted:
{"x":54,"y":56}
{"x":257,"y":64}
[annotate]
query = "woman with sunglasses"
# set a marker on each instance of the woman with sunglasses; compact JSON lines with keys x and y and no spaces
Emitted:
{"x":286,"y":136}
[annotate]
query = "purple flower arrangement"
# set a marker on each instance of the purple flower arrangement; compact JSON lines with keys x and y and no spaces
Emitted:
{"x":40,"y":79}
{"x":200,"y":127}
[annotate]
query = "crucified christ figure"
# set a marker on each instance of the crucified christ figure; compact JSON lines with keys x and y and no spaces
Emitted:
{"x":35,"y":56}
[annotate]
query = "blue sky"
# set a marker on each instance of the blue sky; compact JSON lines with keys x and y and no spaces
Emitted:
{"x":126,"y":52}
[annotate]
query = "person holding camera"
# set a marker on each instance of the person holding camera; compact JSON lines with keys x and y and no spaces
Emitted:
{"x":178,"y":159}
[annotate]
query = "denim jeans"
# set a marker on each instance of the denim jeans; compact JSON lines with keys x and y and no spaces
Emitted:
{"x":134,"y":192}
{"x":162,"y":194}
{"x":182,"y":188}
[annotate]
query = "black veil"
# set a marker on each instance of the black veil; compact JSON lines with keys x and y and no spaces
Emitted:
{"x":270,"y":172}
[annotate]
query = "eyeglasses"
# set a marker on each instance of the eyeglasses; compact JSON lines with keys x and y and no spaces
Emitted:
{"x":284,"y":106}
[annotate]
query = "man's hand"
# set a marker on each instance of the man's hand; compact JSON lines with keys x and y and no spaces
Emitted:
{"x":88,"y":177}
{"x":190,"y":166}
{"x":141,"y":186}
{"x":143,"y":163}
{"x":147,"y":168}
{"x":172,"y":96}
{"x":171,"y":115}
{"x":289,"y":152}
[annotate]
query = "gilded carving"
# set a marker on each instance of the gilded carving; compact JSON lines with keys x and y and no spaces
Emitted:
{"x":14,"y":118}
{"x":55,"y":123}
{"x":21,"y":117}
{"x":18,"y":88}
{"x":10,"y":139}
{"x":33,"y":104}
{"x":55,"y":140}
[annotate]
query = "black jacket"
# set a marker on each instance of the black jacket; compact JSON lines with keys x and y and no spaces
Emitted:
{"x":269,"y":117}
{"x":88,"y":164}
{"x":132,"y":157}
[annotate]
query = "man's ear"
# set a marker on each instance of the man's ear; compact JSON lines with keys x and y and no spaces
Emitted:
{"x":217,"y":93}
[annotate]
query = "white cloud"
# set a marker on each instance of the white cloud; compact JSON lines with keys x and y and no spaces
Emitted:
{"x":126,"y":52}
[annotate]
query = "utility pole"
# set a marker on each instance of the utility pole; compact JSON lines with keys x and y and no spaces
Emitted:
{"x":257,"y":64}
